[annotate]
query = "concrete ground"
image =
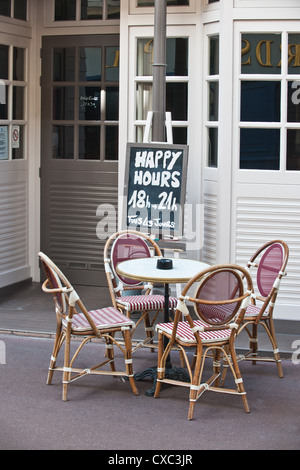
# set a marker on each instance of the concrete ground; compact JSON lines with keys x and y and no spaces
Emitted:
{"x":102,"y":413}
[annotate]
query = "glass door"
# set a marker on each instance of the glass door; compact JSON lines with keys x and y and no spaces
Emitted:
{"x":79,"y":172}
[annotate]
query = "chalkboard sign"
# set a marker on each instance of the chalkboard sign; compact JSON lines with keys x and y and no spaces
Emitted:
{"x":155,"y":183}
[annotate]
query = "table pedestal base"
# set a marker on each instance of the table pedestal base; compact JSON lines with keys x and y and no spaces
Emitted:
{"x":175,"y":373}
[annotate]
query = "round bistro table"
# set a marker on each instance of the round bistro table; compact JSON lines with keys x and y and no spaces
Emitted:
{"x":145,"y":269}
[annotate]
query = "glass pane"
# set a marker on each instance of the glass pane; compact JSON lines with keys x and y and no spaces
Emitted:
{"x":89,"y":143}
{"x":111,"y":142}
{"x":5,"y":7}
{"x":260,"y":101}
{"x":20,"y":9}
{"x":63,"y":142}
{"x":212,"y":157}
{"x":3,"y":103}
{"x":144,"y":100}
{"x":144,"y":57}
{"x":261,"y":53}
{"x":19,"y":64}
{"x":65,"y":10}
{"x":63,"y":103}
{"x":260,"y":149}
{"x":213,"y":111}
{"x":64,"y":64}
{"x":177,"y":57}
{"x":176,"y":100}
{"x":294,"y":54}
{"x":176,"y":54}
{"x":90,"y":63}
{"x":18,"y":148}
{"x":18,"y":102}
{"x":89,"y":103}
{"x":180,"y":135}
{"x":293,"y":104}
{"x":91,"y":9}
{"x":113,"y":9}
{"x":293,"y":149}
{"x":214,"y":55}
{"x":3,"y":62}
{"x":4,"y":142}
{"x":150,"y":3}
{"x":112,"y":104}
{"x":112,"y":56}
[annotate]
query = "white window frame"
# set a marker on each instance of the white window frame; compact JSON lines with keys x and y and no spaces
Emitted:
{"x":276,"y":176}
{"x":210,"y":30}
{"x":140,"y":33}
{"x":10,"y":19}
{"x":136,"y":10}
{"x":49,"y":17}
{"x":10,"y":122}
{"x":266,"y":3}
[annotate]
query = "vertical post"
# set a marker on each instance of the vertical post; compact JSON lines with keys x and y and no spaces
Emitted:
{"x":159,"y":71}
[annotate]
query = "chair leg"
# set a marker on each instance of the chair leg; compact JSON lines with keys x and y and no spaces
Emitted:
{"x":194,"y":391}
{"x":161,"y":366}
{"x":109,"y":353}
{"x":57,"y":346}
{"x":148,"y":329}
{"x":128,"y":360}
{"x":272,"y":336}
{"x":253,"y":342}
{"x":238,"y":379}
{"x":66,"y":373}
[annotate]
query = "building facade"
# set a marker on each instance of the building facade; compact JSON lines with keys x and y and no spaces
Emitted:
{"x":76,"y":87}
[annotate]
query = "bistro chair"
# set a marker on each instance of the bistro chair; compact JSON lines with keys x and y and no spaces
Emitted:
{"x":73,"y":320}
{"x":269,"y":261}
{"x":122,"y":246}
{"x":220,"y":303}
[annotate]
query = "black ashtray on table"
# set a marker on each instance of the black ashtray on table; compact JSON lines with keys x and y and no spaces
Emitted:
{"x":164,"y":263}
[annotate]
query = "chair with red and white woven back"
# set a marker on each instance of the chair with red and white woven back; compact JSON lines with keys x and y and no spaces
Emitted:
{"x":220,"y":302}
{"x":74,"y":320}
{"x":129,"y":295}
{"x":270,"y":262}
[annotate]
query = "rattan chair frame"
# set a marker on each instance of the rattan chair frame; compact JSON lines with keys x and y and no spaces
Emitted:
{"x":265,"y":316}
{"x":65,"y":334}
{"x":222,"y":350}
{"x":116,"y":296}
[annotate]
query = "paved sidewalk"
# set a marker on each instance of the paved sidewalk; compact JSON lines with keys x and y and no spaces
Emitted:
{"x":102,"y":412}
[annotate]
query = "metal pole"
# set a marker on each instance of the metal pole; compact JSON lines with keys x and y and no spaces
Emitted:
{"x":159,"y":71}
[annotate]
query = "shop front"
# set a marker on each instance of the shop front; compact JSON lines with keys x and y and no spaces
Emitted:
{"x":77,"y":87}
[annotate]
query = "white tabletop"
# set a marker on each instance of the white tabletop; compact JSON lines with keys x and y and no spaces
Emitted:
{"x":144,"y":269}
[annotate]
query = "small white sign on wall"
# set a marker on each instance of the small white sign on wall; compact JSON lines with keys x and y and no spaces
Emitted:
{"x":15,"y":137}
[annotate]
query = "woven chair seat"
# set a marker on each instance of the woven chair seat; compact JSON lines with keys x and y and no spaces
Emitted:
{"x":108,"y":317}
{"x":253,"y":311}
{"x":145,"y":302}
{"x":184,"y":332}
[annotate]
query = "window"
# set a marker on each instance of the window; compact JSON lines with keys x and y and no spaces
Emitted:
{"x":13,"y":94}
{"x":73,"y":10}
{"x":270,"y":76}
{"x":150,"y":3}
{"x":85,"y":106}
{"x":14,"y":8}
{"x":212,"y":117}
{"x":176,"y":85}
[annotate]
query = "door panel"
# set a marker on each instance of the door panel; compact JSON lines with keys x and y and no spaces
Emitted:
{"x":79,"y":155}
